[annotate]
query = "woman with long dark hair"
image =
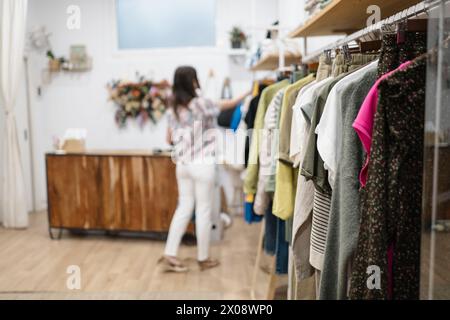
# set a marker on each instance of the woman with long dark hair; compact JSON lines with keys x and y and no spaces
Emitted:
{"x":191,"y":121}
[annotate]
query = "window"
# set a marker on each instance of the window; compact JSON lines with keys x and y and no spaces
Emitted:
{"x":147,"y":24}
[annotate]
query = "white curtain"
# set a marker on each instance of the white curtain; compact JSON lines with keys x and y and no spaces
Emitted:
{"x":13,"y":206}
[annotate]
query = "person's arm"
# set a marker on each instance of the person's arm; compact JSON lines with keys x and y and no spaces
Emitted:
{"x":169,"y":136}
{"x":226,"y":104}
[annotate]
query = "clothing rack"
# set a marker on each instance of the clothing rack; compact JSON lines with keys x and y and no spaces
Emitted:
{"x":414,"y":11}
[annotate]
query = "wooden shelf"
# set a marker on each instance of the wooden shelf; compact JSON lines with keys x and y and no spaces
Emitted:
{"x":237,"y":52}
{"x":347,"y":16}
{"x":271,"y":62}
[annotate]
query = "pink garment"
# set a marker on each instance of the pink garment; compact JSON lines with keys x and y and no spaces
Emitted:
{"x":363,"y":123}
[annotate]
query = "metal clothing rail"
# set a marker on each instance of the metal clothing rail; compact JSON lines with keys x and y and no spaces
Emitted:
{"x":413,"y":11}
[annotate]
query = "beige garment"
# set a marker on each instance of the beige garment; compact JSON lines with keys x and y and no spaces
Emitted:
{"x":317,"y":275}
{"x":339,"y":65}
{"x":300,"y":290}
{"x":324,"y":69}
{"x":304,"y":201}
{"x":305,"y":289}
{"x":301,"y":242}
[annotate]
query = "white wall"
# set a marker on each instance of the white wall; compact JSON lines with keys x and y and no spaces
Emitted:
{"x":81,"y":100}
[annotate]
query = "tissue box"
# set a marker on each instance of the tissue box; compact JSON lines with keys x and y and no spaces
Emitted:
{"x":74,"y":146}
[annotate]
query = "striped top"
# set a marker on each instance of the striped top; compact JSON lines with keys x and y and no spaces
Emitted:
{"x":321,"y":214}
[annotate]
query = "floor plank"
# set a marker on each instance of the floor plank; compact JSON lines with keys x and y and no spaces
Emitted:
{"x":32,"y":266}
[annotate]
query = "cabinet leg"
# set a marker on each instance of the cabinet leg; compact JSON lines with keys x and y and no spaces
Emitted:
{"x":50,"y":232}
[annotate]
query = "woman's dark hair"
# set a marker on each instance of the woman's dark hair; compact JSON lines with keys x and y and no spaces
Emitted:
{"x":185,"y":84}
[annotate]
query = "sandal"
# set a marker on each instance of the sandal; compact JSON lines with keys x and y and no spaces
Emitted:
{"x":208,"y":264}
{"x":172,"y":265}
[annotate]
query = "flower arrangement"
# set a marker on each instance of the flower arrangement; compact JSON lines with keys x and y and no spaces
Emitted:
{"x":142,"y":101}
{"x":237,"y":37}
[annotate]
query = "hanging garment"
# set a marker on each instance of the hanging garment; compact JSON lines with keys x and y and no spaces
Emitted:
{"x":251,"y":177}
{"x":313,"y":169}
{"x":393,"y":53}
{"x":270,"y":231}
{"x":363,"y":124}
{"x":304,"y":198}
{"x":273,"y":131}
{"x":286,"y":175}
{"x":329,"y":130}
{"x":225,"y":117}
{"x":226,"y":93}
{"x":251,"y":115}
{"x":389,"y":58}
{"x":286,"y":116}
{"x":249,"y":215}
{"x":344,"y":157}
{"x":361,"y":59}
{"x":339,"y":65}
{"x":268,"y":135}
{"x":270,"y":186}
{"x":289,"y":226}
{"x":297,"y":124}
{"x":324,"y":69}
{"x":275,"y":243}
{"x":391,"y":206}
{"x":307,"y":108}
{"x":357,"y":60}
{"x":282,"y":248}
{"x":415,"y":44}
{"x":236,"y":118}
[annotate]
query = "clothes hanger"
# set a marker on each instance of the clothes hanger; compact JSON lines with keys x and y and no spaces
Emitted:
{"x":328,"y":59}
{"x":347,"y":54}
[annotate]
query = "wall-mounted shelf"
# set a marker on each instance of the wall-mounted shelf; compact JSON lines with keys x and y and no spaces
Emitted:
{"x":347,"y":16}
{"x":271,"y":62}
{"x":237,"y":52}
{"x":74,"y":70}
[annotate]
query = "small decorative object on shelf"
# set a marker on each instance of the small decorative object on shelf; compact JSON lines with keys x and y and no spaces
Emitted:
{"x":144,"y":100}
{"x":238,"y":38}
{"x":54,"y":64}
{"x":79,"y":60}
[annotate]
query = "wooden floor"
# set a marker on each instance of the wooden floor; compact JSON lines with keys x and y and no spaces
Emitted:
{"x":33,"y":266}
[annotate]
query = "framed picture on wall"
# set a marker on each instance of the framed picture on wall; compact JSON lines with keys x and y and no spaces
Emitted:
{"x":78,"y":57}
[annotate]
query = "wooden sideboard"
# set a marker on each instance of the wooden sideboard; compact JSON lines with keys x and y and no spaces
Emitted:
{"x":113,"y":191}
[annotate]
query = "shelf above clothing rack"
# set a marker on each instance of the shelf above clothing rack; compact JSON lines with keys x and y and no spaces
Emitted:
{"x":347,"y":16}
{"x":271,"y":62}
{"x":413,"y":11}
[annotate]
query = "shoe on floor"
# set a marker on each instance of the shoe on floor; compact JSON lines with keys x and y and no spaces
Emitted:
{"x":173,"y":265}
{"x":208,"y":264}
